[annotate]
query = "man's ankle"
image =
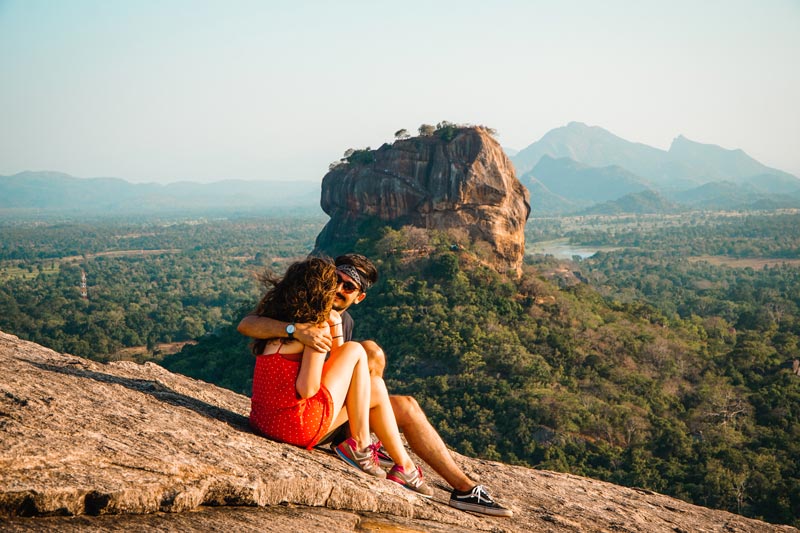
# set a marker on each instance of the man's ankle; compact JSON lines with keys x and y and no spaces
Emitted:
{"x":465,"y":487}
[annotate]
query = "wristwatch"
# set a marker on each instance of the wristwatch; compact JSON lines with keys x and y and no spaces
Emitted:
{"x":290,"y":329}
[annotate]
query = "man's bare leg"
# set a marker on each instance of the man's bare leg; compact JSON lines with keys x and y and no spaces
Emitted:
{"x":421,"y":436}
{"x":424,"y":441}
{"x":376,"y":359}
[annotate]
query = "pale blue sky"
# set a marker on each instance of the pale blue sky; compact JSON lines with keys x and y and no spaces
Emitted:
{"x":167,"y":90}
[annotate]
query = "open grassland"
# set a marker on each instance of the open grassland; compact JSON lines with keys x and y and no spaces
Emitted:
{"x":119,"y":253}
{"x":745,"y":262}
{"x":142,"y":353}
{"x":15,"y":270}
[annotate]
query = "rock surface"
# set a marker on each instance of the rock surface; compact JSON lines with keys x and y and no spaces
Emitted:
{"x":121,"y":446}
{"x":428,"y":182}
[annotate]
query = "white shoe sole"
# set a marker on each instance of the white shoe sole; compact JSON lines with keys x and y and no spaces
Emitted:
{"x":481,"y":509}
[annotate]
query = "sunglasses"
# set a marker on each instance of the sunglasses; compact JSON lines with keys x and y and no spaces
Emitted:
{"x":348,"y":287}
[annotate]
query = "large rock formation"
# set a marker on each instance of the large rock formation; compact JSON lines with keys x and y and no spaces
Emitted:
{"x":431,"y":182}
{"x":126,"y":447}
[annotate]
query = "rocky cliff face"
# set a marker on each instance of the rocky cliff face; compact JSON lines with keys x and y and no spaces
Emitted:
{"x":429,"y":182}
{"x":127,"y":447}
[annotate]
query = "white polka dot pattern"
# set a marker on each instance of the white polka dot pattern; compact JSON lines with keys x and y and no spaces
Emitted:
{"x":275,"y":410}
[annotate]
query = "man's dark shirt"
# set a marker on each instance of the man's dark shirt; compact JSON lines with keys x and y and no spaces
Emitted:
{"x":347,"y":326}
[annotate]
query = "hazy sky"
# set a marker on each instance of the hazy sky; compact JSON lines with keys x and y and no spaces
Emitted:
{"x":167,"y":90}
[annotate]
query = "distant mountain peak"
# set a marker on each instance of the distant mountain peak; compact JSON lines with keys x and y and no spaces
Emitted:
{"x":589,"y":145}
{"x":686,"y":164}
{"x":711,"y":162}
{"x":581,"y":128}
{"x":681,"y":141}
{"x":647,"y":201}
{"x":583,"y":185}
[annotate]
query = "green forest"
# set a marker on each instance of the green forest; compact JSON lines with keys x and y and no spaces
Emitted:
{"x":657,"y":365}
{"x":146,"y":283}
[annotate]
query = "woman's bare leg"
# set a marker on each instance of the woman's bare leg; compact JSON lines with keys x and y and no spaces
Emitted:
{"x":383,"y":423}
{"x":346,"y":377}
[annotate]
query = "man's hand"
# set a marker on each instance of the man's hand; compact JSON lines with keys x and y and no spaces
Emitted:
{"x":262,"y":327}
{"x":316,"y":338}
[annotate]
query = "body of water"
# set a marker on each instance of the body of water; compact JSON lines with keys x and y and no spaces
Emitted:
{"x":562,"y":249}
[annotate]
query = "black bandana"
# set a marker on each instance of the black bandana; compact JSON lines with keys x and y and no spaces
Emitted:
{"x":352,"y":271}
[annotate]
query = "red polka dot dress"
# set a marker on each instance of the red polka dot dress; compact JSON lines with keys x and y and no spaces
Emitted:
{"x":278,"y":413}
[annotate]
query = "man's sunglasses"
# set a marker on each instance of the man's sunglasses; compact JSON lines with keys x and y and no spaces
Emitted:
{"x":348,"y":287}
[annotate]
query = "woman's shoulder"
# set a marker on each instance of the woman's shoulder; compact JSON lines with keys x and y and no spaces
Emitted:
{"x":283,"y":347}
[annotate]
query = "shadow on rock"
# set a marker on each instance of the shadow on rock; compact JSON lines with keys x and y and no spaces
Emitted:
{"x":155,"y":389}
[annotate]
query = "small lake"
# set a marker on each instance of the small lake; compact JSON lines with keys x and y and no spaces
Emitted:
{"x":562,"y":249}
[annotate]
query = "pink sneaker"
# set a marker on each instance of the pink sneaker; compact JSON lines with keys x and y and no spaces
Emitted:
{"x":411,"y":480}
{"x":366,"y":461}
{"x":384,"y":459}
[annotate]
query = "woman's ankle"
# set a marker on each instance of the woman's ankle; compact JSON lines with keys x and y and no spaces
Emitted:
{"x":407,"y":467}
{"x":362,"y":443}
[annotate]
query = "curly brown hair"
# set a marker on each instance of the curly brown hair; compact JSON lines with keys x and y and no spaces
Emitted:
{"x":304,"y":294}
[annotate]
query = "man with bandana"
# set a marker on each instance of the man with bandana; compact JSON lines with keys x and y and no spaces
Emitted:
{"x":356,"y":275}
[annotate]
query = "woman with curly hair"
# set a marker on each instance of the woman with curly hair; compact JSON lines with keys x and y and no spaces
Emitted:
{"x":300,"y":394}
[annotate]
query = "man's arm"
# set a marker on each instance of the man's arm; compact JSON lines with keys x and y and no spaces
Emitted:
{"x":261,"y":327}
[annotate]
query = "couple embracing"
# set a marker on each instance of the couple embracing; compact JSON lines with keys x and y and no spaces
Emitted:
{"x":313,"y":384}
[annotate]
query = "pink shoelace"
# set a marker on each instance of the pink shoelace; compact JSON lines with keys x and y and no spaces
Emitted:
{"x":374,"y":447}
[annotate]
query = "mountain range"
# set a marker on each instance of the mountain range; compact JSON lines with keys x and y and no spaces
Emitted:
{"x":58,"y":191}
{"x":576,"y":167}
{"x":572,"y":169}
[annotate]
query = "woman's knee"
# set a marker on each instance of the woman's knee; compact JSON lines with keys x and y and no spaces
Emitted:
{"x":349,"y":354}
{"x":376,"y":358}
{"x":342,"y":367}
{"x":353,"y":349}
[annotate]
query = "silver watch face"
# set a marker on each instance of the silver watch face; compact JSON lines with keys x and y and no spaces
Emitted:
{"x":290,"y":329}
